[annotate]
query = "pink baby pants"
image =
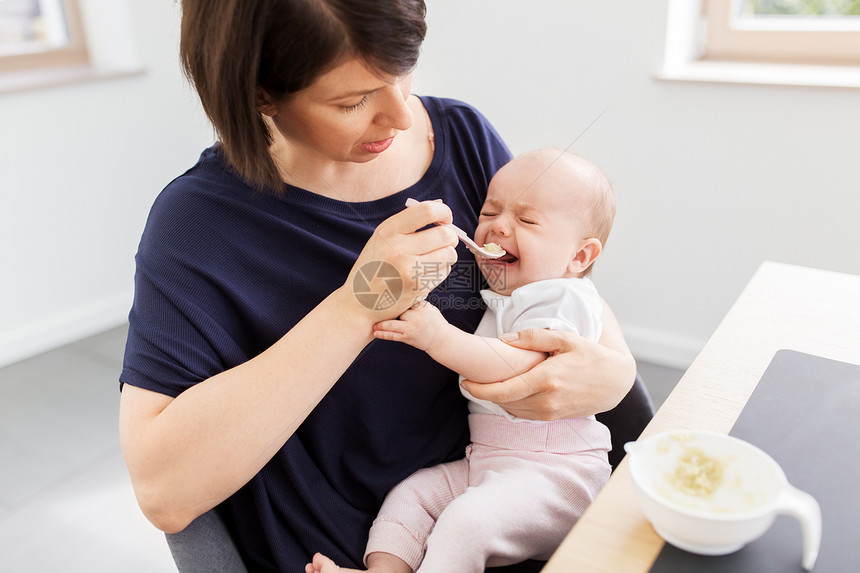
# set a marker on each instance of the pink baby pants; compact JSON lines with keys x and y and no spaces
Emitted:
{"x":514,"y":497}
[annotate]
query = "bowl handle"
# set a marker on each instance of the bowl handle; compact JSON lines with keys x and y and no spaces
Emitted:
{"x":803,"y":506}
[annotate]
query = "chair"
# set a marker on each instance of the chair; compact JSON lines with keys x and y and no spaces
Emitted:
{"x":627,"y":420}
{"x":205,"y":546}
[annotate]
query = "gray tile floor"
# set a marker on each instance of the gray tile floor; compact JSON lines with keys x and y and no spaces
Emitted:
{"x":66,"y":503}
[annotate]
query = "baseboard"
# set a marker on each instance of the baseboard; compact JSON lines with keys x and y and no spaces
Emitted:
{"x":663,"y":348}
{"x":55,"y":331}
{"x":647,"y":344}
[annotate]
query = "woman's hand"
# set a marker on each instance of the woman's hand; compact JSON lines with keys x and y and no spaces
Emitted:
{"x":578,"y":378}
{"x":421,"y":259}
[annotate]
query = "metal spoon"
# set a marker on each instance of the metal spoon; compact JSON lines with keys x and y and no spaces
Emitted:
{"x":472,"y":245}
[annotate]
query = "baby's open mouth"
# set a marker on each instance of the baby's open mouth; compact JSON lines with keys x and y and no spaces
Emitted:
{"x":506,"y":258}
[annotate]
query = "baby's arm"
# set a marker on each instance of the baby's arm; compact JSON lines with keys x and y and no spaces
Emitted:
{"x":478,"y":358}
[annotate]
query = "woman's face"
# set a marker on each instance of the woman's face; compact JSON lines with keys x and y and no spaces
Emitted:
{"x":348,"y":114}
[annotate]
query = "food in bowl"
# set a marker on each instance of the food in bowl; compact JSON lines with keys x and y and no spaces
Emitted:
{"x":697,"y":474}
{"x":712,"y":494}
{"x":695,"y":479}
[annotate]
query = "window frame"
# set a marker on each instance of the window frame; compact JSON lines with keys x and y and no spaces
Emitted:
{"x":72,"y":54}
{"x":778,"y":39}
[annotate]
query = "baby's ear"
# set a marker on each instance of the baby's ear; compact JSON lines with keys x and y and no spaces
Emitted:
{"x":588,"y":252}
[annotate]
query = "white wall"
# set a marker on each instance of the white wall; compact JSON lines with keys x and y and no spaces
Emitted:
{"x":711,"y":179}
{"x":79,"y":168}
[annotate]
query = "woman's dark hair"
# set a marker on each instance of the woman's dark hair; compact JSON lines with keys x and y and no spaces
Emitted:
{"x":229,"y":48}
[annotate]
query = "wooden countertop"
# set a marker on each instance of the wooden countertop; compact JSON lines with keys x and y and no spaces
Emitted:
{"x":783,"y":306}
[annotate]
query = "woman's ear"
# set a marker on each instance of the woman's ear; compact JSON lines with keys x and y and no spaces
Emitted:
{"x":588,"y":252}
{"x":264,"y":103}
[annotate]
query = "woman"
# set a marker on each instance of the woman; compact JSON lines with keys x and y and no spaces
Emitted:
{"x":250,"y":382}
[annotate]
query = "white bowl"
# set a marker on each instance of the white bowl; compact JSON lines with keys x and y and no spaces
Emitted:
{"x":712,"y":494}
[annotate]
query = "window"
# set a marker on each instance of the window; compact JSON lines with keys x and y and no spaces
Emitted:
{"x":787,"y":31}
{"x":40,"y":34}
{"x":772,"y":42}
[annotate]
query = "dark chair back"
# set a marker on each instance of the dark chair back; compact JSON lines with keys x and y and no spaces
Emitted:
{"x":627,"y":420}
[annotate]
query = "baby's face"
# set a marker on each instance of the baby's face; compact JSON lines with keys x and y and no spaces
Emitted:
{"x":532,"y":214}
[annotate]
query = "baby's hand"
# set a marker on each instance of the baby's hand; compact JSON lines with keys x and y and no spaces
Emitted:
{"x":419,"y":326}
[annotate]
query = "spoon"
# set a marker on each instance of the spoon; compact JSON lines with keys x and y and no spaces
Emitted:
{"x":472,"y":245}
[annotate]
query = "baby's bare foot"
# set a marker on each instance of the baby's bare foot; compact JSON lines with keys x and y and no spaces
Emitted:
{"x":378,"y":563}
{"x":322,"y":564}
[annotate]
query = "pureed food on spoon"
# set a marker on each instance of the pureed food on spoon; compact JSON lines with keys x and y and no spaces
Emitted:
{"x":494,"y":248}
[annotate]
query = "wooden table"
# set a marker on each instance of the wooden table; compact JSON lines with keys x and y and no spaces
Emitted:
{"x":783,"y":306}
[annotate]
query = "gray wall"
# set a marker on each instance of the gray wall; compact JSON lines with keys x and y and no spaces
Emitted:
{"x":711,"y":179}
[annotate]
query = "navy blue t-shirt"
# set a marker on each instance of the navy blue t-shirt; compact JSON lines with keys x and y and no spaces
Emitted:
{"x":223,"y":272}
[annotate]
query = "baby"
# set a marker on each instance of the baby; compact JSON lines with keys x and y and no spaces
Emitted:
{"x":523,"y":483}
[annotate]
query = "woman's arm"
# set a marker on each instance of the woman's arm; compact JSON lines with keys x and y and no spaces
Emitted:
{"x":580,"y":377}
{"x":187,"y":454}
